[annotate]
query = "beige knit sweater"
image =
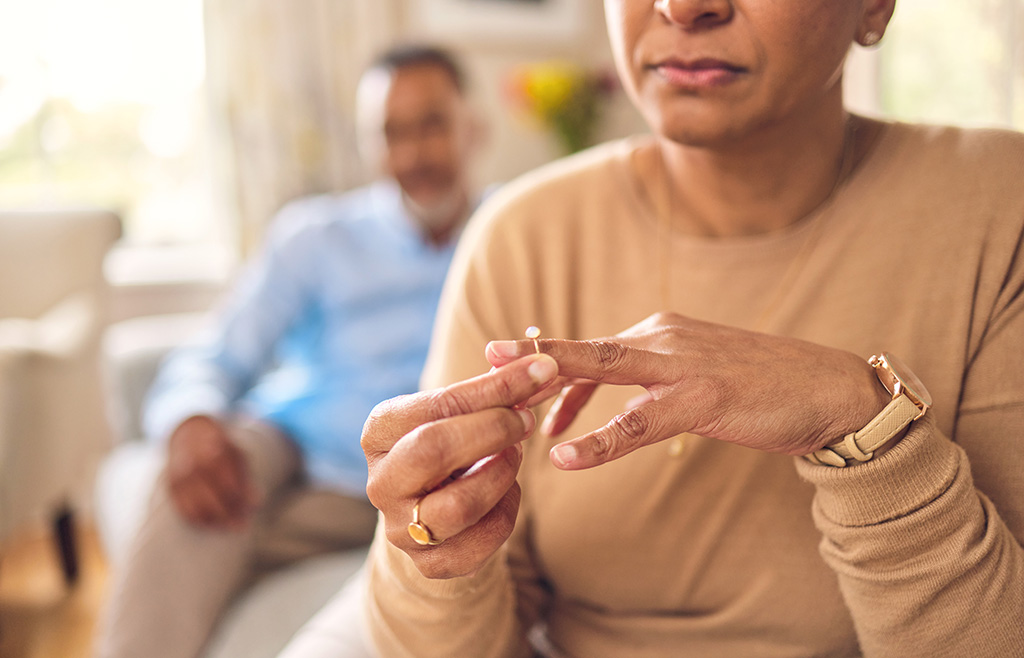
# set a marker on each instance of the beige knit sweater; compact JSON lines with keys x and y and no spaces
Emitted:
{"x":723,"y":550}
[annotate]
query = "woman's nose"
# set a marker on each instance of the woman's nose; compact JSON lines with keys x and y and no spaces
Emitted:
{"x":694,"y":14}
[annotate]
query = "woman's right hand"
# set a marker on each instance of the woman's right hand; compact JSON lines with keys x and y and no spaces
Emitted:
{"x":456,"y":450}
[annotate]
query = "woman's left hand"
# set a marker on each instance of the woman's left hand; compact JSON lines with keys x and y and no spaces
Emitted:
{"x":761,"y":391}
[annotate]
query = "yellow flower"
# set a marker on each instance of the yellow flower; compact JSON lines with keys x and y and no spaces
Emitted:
{"x":550,"y":87}
{"x":560,"y":96}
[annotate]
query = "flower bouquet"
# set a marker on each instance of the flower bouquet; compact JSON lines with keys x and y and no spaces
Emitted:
{"x":562,"y":97}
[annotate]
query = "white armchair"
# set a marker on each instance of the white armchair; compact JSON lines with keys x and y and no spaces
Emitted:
{"x":53,"y":426}
{"x":260,"y":622}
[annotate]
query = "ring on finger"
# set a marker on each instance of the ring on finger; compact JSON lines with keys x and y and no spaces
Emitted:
{"x":419,"y":531}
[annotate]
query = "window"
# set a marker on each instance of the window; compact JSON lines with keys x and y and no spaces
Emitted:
{"x":954,"y":61}
{"x":101,"y":102}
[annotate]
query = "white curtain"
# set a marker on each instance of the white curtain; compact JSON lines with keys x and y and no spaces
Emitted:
{"x":281,"y":78}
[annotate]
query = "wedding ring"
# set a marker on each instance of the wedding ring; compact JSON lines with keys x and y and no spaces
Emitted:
{"x":419,"y":531}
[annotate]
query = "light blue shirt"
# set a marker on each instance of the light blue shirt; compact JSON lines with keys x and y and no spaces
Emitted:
{"x":334,"y":317}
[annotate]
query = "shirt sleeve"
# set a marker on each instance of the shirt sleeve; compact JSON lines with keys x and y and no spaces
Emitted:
{"x":208,"y":375}
{"x":926,"y":541}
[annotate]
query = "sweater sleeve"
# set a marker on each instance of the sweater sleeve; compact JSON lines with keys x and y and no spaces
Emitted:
{"x":926,"y":541}
{"x":415,"y":617}
{"x":407,"y":613}
{"x":925,"y":563}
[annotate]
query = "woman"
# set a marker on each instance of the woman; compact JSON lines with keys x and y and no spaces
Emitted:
{"x":773,"y":242}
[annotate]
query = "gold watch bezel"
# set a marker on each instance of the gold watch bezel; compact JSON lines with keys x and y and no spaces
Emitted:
{"x":898,"y":379}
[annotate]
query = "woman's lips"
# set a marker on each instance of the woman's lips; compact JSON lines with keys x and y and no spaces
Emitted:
{"x":697,"y":74}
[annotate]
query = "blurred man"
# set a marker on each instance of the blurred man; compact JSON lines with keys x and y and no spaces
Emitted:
{"x":262,"y":417}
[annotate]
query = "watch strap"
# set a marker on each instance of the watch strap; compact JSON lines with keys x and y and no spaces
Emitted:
{"x":860,"y":446}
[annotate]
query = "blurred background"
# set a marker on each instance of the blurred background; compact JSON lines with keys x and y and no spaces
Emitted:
{"x":193,"y":121}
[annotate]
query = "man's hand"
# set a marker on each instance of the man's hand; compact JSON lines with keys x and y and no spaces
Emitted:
{"x":208,"y":477}
{"x":457,"y":451}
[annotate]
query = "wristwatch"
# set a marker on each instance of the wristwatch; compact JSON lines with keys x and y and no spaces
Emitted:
{"x":910,"y":401}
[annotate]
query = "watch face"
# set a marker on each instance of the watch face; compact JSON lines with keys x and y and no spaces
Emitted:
{"x":914,"y":387}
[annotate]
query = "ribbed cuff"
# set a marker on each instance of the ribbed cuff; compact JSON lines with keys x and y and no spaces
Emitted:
{"x":914,"y":472}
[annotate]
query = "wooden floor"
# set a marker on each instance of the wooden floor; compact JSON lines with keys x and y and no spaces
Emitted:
{"x":39,"y":616}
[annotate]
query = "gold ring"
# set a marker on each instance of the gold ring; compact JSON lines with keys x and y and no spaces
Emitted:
{"x":419,"y":531}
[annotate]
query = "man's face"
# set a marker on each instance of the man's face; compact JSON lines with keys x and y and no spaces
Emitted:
{"x":420,"y":129}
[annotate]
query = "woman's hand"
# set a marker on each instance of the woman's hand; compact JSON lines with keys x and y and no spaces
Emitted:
{"x":761,"y":391}
{"x":457,"y":451}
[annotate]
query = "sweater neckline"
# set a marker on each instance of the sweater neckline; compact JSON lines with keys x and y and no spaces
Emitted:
{"x":746,"y":250}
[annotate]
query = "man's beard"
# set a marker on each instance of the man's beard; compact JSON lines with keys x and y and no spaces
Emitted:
{"x":441,"y":214}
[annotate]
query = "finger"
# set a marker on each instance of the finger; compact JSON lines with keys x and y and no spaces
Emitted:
{"x":505,"y":387}
{"x":565,"y":408}
{"x":551,"y":390}
{"x":204,"y":505}
{"x":622,"y":435}
{"x":462,"y":503}
{"x":214,"y":507}
{"x":228,"y":476}
{"x":464,"y":553}
{"x":428,"y":455}
{"x":611,"y":361}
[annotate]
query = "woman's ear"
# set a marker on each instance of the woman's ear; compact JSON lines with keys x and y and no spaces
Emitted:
{"x":874,"y":20}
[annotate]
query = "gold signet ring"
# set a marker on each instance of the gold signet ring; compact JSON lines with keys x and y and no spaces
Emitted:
{"x":419,"y":531}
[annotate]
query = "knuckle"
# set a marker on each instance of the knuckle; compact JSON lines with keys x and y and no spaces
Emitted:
{"x":663,"y":318}
{"x":375,"y":489}
{"x":378,"y":415}
{"x":376,"y":422}
{"x":431,"y":443}
{"x":384,"y":418}
{"x":504,"y":391}
{"x":397,"y":533}
{"x":458,"y":509}
{"x":601,"y":447}
{"x":608,"y":354}
{"x":713,"y":393}
{"x":445,"y":403}
{"x":432,"y":566}
{"x":632,"y":425}
{"x":672,"y":319}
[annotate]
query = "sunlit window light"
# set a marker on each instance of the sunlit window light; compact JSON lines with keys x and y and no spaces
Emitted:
{"x":102,"y":102}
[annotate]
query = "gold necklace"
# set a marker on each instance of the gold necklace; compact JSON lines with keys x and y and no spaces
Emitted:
{"x":663,"y":207}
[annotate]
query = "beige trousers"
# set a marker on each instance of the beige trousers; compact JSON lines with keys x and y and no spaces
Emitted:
{"x":177,"y":579}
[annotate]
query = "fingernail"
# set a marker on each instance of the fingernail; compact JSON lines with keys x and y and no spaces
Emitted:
{"x":529,"y":420}
{"x":564,"y":454}
{"x":505,"y":348}
{"x":543,"y":369}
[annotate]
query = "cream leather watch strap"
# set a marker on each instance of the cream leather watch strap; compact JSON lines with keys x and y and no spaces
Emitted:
{"x":860,"y":446}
